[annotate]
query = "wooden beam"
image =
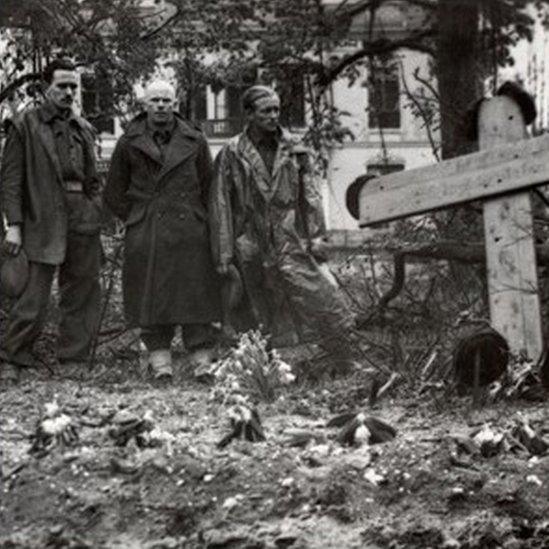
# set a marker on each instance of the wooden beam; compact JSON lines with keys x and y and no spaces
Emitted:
{"x":502,"y":170}
{"x":509,"y":236}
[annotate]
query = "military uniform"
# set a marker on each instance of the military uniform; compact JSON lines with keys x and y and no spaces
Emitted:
{"x":49,"y":186}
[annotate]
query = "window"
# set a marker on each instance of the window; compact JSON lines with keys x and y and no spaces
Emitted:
{"x":384,"y":93}
{"x":193,"y":106}
{"x":98,"y":100}
{"x":383,"y":168}
{"x":200,"y":104}
{"x":225,"y":114}
{"x":233,"y":98}
{"x":225,"y":117}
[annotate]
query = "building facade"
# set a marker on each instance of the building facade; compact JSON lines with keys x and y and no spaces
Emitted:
{"x":388,"y":108}
{"x":387,"y":135}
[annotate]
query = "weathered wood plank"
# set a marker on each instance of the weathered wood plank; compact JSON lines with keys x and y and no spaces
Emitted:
{"x":509,"y":235}
{"x":493,"y":172}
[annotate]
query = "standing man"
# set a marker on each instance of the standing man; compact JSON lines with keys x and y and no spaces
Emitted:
{"x":158,"y":184}
{"x":267,"y":222}
{"x":49,"y":193}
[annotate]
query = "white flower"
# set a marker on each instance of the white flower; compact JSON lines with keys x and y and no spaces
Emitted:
{"x":286,"y":378}
{"x":287,"y":482}
{"x":239,"y":352}
{"x":284,"y":367}
{"x":57,"y":425}
{"x":51,"y":409}
{"x":239,"y":399}
{"x":232,"y":502}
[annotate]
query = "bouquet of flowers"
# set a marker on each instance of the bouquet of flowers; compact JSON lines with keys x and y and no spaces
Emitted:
{"x":251,"y":371}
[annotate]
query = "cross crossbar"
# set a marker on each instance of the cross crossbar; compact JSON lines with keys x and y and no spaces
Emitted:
{"x":506,"y":168}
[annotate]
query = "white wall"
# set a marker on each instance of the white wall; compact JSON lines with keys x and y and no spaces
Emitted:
{"x":406,"y":145}
{"x":531,"y":67}
{"x":348,"y":163}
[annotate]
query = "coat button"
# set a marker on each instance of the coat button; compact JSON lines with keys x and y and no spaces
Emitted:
{"x":181,"y":216}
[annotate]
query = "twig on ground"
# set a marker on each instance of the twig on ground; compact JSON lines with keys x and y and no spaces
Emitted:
{"x":393,"y":378}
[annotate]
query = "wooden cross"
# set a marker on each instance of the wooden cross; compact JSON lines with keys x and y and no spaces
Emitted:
{"x":501,"y":174}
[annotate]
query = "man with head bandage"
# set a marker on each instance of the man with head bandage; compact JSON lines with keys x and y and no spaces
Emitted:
{"x":266,"y":223}
{"x":158,"y":184}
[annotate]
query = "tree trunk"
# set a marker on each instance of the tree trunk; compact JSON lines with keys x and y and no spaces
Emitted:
{"x":458,"y":71}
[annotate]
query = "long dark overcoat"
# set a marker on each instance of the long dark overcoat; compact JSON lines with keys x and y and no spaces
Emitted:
{"x":31,"y":186}
{"x":168,"y":274}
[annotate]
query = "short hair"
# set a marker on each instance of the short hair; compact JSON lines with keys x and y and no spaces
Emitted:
{"x":253,"y":94}
{"x":159,"y":83}
{"x":62,"y":63}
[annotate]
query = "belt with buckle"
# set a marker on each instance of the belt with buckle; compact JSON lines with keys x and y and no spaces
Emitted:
{"x":73,"y":186}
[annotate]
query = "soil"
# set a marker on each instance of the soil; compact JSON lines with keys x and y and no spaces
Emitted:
{"x":414,"y":491}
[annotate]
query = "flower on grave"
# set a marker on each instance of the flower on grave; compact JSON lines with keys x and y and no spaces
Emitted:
{"x":250,"y":368}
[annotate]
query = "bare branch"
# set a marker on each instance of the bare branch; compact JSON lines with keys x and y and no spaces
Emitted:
{"x":343,"y":12}
{"x":380,"y":47}
{"x":422,"y":113}
{"x":427,"y":84}
{"x":166,"y":23}
{"x":12,"y":86}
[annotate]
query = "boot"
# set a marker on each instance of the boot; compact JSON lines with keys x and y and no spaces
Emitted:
{"x":160,"y":364}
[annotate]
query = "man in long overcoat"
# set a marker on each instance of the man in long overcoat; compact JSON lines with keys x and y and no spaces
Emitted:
{"x":158,"y":184}
{"x":266,"y":220}
{"x":50,"y":200}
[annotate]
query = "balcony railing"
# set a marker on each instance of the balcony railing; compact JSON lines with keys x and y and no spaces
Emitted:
{"x":222,"y":127}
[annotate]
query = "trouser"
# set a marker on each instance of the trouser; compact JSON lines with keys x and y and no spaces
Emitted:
{"x":195,"y":336}
{"x":79,"y":303}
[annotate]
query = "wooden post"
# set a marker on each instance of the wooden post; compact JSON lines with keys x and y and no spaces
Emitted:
{"x":509,"y":234}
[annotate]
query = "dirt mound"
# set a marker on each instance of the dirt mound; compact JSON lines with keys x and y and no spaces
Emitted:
{"x":185,"y":493}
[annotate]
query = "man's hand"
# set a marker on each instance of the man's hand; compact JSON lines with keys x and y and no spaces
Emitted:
{"x":13,"y":240}
{"x":222,"y":269}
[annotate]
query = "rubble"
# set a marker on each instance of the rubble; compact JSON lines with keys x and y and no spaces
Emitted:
{"x":488,"y":441}
{"x":128,"y":426}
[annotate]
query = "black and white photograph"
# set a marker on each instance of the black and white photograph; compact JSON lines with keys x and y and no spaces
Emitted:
{"x":274,"y":274}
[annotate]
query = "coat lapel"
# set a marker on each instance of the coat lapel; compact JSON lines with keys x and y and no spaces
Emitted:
{"x":144,"y":143}
{"x":45,"y":134}
{"x":265,"y":182}
{"x":141,"y":140}
{"x":282,"y":154}
{"x":182,"y":145}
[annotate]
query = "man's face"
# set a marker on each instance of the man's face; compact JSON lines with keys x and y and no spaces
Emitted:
{"x":160,"y":105}
{"x":62,"y":89}
{"x":266,"y":114}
